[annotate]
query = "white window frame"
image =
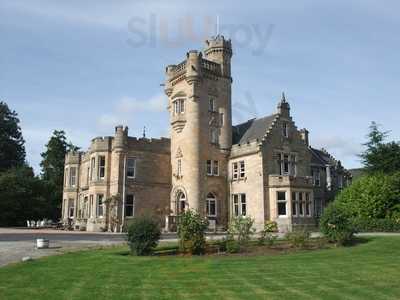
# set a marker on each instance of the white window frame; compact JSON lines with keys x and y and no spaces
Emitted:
{"x":208,"y":205}
{"x":100,"y":197}
{"x":239,"y":201}
{"x":212,"y":167}
{"x":235,"y":171}
{"x":130,"y":205}
{"x":73,"y":176}
{"x":316,"y":177}
{"x":302,"y":207}
{"x":295,"y":204}
{"x":101,"y":168}
{"x":278,"y":201}
{"x":130,"y":167}
{"x":308,"y":204}
{"x":179,"y":106}
{"x":71,"y":208}
{"x":242,"y":169}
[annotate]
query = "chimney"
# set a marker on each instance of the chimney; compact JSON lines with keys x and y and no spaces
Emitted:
{"x":304,"y":136}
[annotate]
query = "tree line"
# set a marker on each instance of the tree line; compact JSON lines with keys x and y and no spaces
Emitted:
{"x":24,"y":195}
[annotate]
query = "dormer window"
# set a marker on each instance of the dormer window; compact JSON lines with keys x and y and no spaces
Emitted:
{"x":179,"y":106}
{"x":285,"y":130}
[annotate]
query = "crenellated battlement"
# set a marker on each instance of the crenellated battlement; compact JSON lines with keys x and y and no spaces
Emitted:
{"x":161,"y":145}
{"x":73,"y":157}
{"x":101,"y":144}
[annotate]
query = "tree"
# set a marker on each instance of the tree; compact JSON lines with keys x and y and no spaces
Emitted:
{"x":374,"y":196}
{"x":12,"y":149}
{"x":380,"y":156}
{"x":21,"y":195}
{"x":53,"y":169}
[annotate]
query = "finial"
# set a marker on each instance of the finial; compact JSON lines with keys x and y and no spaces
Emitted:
{"x":144,"y":132}
{"x":283,"y":97}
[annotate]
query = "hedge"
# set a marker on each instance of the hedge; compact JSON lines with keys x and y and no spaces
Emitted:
{"x":376,"y":225}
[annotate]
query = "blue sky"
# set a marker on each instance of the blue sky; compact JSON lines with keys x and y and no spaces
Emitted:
{"x":86,"y":66}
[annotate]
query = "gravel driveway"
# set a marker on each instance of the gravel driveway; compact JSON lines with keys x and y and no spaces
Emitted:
{"x":18,"y":243}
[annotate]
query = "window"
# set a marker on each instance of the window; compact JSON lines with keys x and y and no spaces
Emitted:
{"x":71,"y":208}
{"x":216,"y":168}
{"x":102,"y":167}
{"x":214,"y":135}
{"x":129,"y":205}
{"x":88,"y":176}
{"x":308,"y":205}
{"x":294,"y":204}
{"x":242,"y":169}
{"x":316,"y":174}
{"x":211,"y":104}
{"x":181,"y":202}
{"x":100,"y":205}
{"x":221,"y":119}
{"x":91,"y":206}
{"x":301,"y":204}
{"x":287,"y":164}
{"x":211,"y":205}
{"x":285,"y":130}
{"x":239,"y":205}
{"x":72,"y":176}
{"x":281,"y":200}
{"x":131,"y":168}
{"x":85,"y":207}
{"x":179,"y":106}
{"x":92,"y":167}
{"x":235,"y":171}
{"x":179,"y":167}
{"x":212,"y":167}
{"x":66,"y":177}
{"x":209,"y":167}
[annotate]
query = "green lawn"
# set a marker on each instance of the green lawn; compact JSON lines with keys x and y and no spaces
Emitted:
{"x":369,"y":270}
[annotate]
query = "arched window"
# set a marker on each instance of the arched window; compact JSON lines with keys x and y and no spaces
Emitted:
{"x":181,"y":202}
{"x":211,"y":205}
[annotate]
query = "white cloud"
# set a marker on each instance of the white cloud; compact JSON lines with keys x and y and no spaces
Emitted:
{"x":156,"y":103}
{"x":343,"y":148}
{"x":128,"y":106}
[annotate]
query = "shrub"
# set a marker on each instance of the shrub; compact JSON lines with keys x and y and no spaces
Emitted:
{"x":336,"y":224}
{"x":191,"y":232}
{"x":268,"y":235}
{"x":373,"y":196}
{"x":298,"y":238}
{"x":239,"y":234}
{"x":143,"y":235}
{"x":377,"y":225}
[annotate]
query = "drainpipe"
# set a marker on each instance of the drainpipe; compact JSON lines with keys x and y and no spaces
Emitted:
{"x":123,"y":194}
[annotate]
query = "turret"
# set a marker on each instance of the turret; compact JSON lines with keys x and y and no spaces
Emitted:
{"x":193,"y":65}
{"x":120,"y":138}
{"x":219,"y":50}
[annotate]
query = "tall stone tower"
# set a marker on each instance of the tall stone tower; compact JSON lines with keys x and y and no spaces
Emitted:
{"x":199,"y":103}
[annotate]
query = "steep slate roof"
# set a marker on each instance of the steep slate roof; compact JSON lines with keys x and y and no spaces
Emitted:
{"x":252,"y":129}
{"x":321,"y":157}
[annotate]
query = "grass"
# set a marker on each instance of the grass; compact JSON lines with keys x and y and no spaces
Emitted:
{"x":368,"y":270}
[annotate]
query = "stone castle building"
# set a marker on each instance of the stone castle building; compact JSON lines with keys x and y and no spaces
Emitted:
{"x":263,"y":168}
